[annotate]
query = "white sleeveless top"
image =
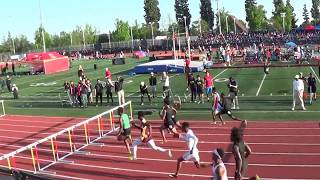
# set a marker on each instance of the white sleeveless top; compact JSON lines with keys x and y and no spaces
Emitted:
{"x":214,"y":168}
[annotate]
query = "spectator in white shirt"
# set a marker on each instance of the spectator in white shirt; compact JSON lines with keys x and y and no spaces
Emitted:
{"x":298,"y":89}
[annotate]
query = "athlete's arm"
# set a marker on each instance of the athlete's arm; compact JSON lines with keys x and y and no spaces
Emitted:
{"x":150,"y":131}
{"x":248,"y":150}
{"x":238,"y":159}
{"x":220,"y":171}
{"x":164,"y":114}
{"x":120,"y":127}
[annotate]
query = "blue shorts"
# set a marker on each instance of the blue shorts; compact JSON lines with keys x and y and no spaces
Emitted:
{"x":209,"y":90}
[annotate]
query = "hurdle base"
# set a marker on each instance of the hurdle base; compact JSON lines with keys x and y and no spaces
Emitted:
{"x":97,"y":144}
{"x":65,"y":162}
{"x":47,"y":172}
{"x":82,"y":152}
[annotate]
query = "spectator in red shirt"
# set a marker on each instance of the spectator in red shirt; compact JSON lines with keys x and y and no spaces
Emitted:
{"x":108,"y":73}
{"x":208,"y":82}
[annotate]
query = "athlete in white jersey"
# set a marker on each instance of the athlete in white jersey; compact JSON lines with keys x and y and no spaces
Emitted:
{"x":219,"y":170}
{"x":192,"y":153}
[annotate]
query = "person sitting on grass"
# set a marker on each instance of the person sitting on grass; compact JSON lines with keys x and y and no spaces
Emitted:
{"x":124,"y":133}
{"x":219,"y":170}
{"x":15,"y":91}
{"x":241,"y":152}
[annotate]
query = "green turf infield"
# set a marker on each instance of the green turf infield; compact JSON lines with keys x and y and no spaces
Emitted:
{"x":260,"y":98}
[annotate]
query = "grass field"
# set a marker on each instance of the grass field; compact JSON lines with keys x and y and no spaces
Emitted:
{"x":261,"y":98}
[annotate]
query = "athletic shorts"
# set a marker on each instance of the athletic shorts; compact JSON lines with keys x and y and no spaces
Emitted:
{"x":169,"y":124}
{"x":312,"y":89}
{"x":199,"y":91}
{"x":126,"y":132}
{"x":191,"y":157}
{"x":209,"y":90}
{"x":225,"y":111}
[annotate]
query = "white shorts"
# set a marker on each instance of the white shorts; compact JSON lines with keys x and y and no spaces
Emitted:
{"x":191,"y":157}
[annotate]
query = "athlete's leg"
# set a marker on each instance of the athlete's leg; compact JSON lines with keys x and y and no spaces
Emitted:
{"x":162,"y":128}
{"x":157,"y":148}
{"x":127,"y":142}
{"x":179,"y":164}
{"x":135,"y":145}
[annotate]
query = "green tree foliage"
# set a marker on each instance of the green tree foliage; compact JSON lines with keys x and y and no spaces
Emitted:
{"x":277,"y":20}
{"x":223,"y":15}
{"x":182,"y":9}
{"x":22,"y":44}
{"x":122,"y":32}
{"x":290,"y":8}
{"x":259,"y":21}
{"x":315,"y":12}
{"x":305,"y":14}
{"x":38,"y":38}
{"x":249,"y":6}
{"x":195,"y":27}
{"x":152,"y":12}
{"x":206,"y":13}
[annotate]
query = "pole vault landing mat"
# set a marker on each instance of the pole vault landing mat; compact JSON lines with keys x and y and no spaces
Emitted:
{"x":174,"y":66}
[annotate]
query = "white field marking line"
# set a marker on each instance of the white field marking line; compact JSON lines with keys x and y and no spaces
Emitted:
{"x":174,"y":150}
{"x":249,"y":111}
{"x":66,"y":78}
{"x":298,"y":123}
{"x":194,"y":127}
{"x":262,"y":81}
{"x":158,"y":84}
{"x":54,"y":175}
{"x":220,"y":73}
{"x":49,"y":117}
{"x":137,"y":132}
{"x":315,"y":74}
{"x":177,"y":141}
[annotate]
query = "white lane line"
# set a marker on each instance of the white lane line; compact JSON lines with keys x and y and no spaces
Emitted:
{"x":315,"y":74}
{"x":262,"y":81}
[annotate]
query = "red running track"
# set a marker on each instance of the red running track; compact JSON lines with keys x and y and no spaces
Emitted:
{"x":281,"y":150}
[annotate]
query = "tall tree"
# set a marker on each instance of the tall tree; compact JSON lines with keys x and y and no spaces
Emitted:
{"x":277,"y":20}
{"x":249,"y":5}
{"x":260,"y":21}
{"x":305,"y":14}
{"x":182,"y":9}
{"x":152,"y":10}
{"x":122,"y":32}
{"x":38,"y":38}
{"x":315,"y":12}
{"x":206,"y":12}
{"x":294,"y":20}
{"x":289,"y":16}
{"x":22,"y":44}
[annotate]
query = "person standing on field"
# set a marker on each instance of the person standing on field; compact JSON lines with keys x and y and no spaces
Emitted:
{"x":298,"y":88}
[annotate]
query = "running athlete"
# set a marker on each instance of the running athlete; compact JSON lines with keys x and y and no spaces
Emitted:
{"x":168,"y":114}
{"x":225,"y":108}
{"x":192,"y":153}
{"x":216,"y":105}
{"x":208,"y":82}
{"x":146,"y":137}
{"x":124,"y":130}
{"x":219,"y":170}
{"x":241,"y":152}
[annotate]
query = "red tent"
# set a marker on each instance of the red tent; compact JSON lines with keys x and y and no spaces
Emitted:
{"x":309,"y":28}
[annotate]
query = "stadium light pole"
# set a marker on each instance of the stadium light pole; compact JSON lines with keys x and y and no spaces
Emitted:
{"x":283,"y":15}
{"x":219,"y":19}
{"x":151,"y":24}
{"x":42,"y":29}
{"x":200,"y":29}
{"x":71,"y":38}
{"x":187,"y":36}
{"x":12,"y":39}
{"x":131,"y":38}
{"x":227,"y":24}
{"x":234,"y":25}
{"x":109,"y":39}
{"x":83,"y":38}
